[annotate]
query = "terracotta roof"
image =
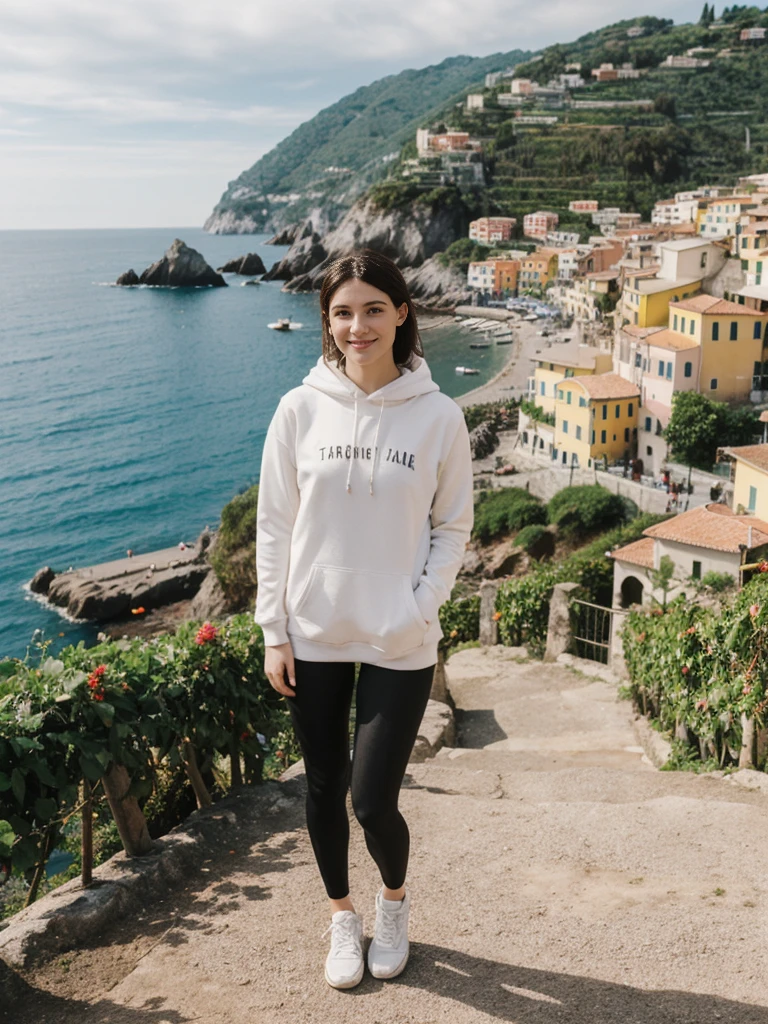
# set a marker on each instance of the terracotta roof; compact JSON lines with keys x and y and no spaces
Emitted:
{"x":639,"y":552}
{"x":754,"y":454}
{"x":711,"y":526}
{"x":641,"y":332}
{"x":671,"y":340}
{"x":606,"y":385}
{"x":713,"y":306}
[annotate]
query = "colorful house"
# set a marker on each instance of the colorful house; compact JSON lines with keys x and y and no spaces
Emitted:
{"x":710,"y":538}
{"x":539,"y":223}
{"x":563,"y":361}
{"x":721,"y":216}
{"x":538,"y":269}
{"x":595,"y":419}
{"x":488,"y":230}
{"x":750,"y":478}
{"x":494,"y":276}
{"x":731,"y":337}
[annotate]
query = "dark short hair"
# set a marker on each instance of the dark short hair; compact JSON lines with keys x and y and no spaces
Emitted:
{"x":380,"y":272}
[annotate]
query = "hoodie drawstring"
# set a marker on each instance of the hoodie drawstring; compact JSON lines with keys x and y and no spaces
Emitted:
{"x":375,"y":443}
{"x":352,"y":450}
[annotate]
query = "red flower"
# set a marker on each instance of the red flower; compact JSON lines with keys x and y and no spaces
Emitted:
{"x":100,"y":670}
{"x":754,"y":610}
{"x":98,"y":695}
{"x":685,"y":670}
{"x":763,"y":567}
{"x":205,"y":634}
{"x":93,"y":683}
{"x":244,"y":735}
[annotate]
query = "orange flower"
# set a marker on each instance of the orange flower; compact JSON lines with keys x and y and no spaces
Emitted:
{"x":137,"y":611}
{"x":496,"y":616}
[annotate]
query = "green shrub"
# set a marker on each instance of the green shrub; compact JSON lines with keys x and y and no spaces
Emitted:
{"x":695,"y":670}
{"x":234,"y":555}
{"x":717,"y":582}
{"x":460,"y":622}
{"x":580,"y":511}
{"x":505,"y":511}
{"x":149,"y":705}
{"x":530,"y":535}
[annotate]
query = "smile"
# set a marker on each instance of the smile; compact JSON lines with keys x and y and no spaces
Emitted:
{"x":361,"y":344}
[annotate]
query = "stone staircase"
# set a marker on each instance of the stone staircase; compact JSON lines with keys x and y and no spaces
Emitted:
{"x":555,"y":876}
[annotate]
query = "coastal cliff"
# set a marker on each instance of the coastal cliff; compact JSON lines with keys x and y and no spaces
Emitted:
{"x":409,"y":235}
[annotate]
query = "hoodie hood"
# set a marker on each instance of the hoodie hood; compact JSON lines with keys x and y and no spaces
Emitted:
{"x":328,"y":378}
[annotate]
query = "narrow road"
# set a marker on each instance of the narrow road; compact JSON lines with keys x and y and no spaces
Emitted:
{"x":556,"y":876}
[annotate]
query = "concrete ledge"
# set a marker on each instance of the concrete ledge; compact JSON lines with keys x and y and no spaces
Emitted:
{"x":657,"y":748}
{"x":748,"y":778}
{"x":70,"y":914}
{"x":437,"y":730}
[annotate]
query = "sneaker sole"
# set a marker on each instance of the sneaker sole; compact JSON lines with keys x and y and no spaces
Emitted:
{"x":351,"y":983}
{"x":393,"y":974}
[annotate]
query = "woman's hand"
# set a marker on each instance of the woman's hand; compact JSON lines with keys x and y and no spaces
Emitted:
{"x":278,"y":663}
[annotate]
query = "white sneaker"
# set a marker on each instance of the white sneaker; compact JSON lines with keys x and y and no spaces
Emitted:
{"x":344,"y":965}
{"x":388,"y":951}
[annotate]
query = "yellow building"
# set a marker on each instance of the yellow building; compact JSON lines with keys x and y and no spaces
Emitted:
{"x":722,"y":215}
{"x":645,"y":300}
{"x":756,"y":266}
{"x":731,"y":338}
{"x":750,"y":479}
{"x":595,"y":419}
{"x":538,"y":269}
{"x":559,"y":361}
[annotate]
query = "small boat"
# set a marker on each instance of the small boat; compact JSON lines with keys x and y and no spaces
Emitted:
{"x":531,"y":316}
{"x":468,"y":371}
{"x":284,"y":324}
{"x":505,"y":341}
{"x":480,"y":344}
{"x":254,"y":281}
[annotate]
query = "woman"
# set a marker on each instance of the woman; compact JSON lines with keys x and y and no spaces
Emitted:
{"x":365,"y":508}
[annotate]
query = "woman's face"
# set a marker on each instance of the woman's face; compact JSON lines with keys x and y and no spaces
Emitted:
{"x":363,"y":321}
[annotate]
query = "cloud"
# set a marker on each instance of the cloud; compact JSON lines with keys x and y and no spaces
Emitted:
{"x":185,"y":76}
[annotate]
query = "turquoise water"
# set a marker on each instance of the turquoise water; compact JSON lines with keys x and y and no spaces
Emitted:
{"x":129,"y":417}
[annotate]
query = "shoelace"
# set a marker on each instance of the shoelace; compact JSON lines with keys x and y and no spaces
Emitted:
{"x":344,"y":937}
{"x":388,"y":928}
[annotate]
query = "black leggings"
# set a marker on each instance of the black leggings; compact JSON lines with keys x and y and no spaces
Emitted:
{"x":390,"y":706}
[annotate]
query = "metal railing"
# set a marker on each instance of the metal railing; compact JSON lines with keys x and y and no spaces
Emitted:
{"x":591,"y":630}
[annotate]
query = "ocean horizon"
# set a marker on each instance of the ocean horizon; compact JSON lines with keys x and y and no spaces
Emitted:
{"x":131,"y":416}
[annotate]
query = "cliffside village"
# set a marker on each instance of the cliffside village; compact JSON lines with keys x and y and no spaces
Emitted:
{"x":678,"y":304}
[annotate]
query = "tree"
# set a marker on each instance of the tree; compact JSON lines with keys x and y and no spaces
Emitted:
{"x":695,"y":430}
{"x":704,"y":19}
{"x":661,"y":578}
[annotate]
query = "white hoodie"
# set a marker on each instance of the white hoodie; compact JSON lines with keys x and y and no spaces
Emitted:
{"x":365,"y":508}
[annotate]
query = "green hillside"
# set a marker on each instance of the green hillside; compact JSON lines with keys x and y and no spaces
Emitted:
{"x":694,"y":130}
{"x":360,"y":133}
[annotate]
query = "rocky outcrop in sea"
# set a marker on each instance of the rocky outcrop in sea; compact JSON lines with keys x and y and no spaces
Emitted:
{"x":180,"y":267}
{"x":248,"y":265}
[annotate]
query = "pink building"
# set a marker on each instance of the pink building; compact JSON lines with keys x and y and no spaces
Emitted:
{"x":540,"y":223}
{"x":492,"y":229}
{"x":583,"y":206}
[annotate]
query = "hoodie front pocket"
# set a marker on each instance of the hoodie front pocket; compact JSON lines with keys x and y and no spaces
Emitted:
{"x":346,"y":606}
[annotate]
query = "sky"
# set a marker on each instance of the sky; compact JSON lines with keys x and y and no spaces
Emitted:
{"x":138,"y":115}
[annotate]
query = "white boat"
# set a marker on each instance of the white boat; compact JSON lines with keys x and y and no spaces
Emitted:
{"x":284,"y":324}
{"x":467,"y":371}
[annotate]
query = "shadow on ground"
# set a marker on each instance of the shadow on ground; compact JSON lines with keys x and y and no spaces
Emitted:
{"x":528,"y":996}
{"x":478,"y":728}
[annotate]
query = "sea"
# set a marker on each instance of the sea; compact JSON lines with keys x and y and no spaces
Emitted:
{"x":130,"y":416}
